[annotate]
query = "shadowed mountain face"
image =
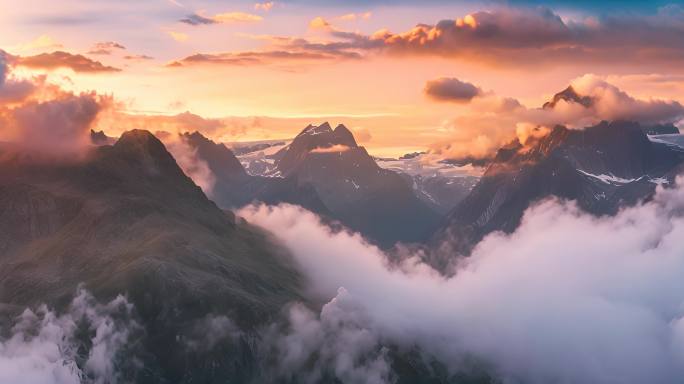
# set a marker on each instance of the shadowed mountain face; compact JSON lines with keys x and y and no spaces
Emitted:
{"x":376,"y":202}
{"x":603,"y":168}
{"x":314,"y":138}
{"x":441,"y":193}
{"x":441,"y":185}
{"x":221,"y":160}
{"x":235,"y":188}
{"x":126,"y":219}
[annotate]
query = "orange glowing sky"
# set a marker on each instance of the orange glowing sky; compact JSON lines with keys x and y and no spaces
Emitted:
{"x":277,"y":66}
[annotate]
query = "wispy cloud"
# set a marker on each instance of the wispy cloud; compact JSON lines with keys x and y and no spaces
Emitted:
{"x":62,"y":59}
{"x":178,"y":36}
{"x":356,"y":16}
{"x":105,"y":48}
{"x":196,"y":19}
{"x":138,"y":57}
{"x":319,"y":23}
{"x":42,"y":42}
{"x":267,"y":57}
{"x":517,"y":38}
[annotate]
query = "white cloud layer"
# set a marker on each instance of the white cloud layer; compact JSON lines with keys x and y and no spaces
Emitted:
{"x":44,"y":347}
{"x":567,"y":298}
{"x":335,"y":343}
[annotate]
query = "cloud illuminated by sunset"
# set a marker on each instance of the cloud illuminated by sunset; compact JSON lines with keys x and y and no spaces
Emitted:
{"x":369,"y":65}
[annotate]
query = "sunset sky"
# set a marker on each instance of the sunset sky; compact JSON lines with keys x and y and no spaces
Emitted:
{"x":458,"y":78}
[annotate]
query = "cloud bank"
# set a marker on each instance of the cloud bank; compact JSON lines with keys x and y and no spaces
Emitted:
{"x":12,"y":90}
{"x":611,"y":103}
{"x":334,"y":344}
{"x":491,"y":121}
{"x":197,"y":19}
{"x":510,"y":37}
{"x":38,"y":116}
{"x":56,"y":126}
{"x":89,"y":340}
{"x":566,"y":298}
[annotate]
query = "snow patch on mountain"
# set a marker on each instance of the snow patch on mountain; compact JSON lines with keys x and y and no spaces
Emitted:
{"x":672,"y":140}
{"x":609,"y":179}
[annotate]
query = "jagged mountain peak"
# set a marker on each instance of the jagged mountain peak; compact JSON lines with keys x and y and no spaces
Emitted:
{"x":143,"y":144}
{"x":314,"y":138}
{"x":377,"y":202}
{"x":341,"y":128}
{"x":140,"y":155}
{"x":138,"y":137}
{"x":323,"y":135}
{"x":99,"y":138}
{"x":312,"y":130}
{"x":345,"y":136}
{"x":570,"y":95}
{"x":196,"y":135}
{"x":221,"y":160}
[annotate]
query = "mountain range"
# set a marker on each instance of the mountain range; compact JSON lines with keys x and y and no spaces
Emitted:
{"x":602,"y":168}
{"x":124,"y":218}
{"x":235,"y":188}
{"x":203,"y":284}
{"x":327,"y":172}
